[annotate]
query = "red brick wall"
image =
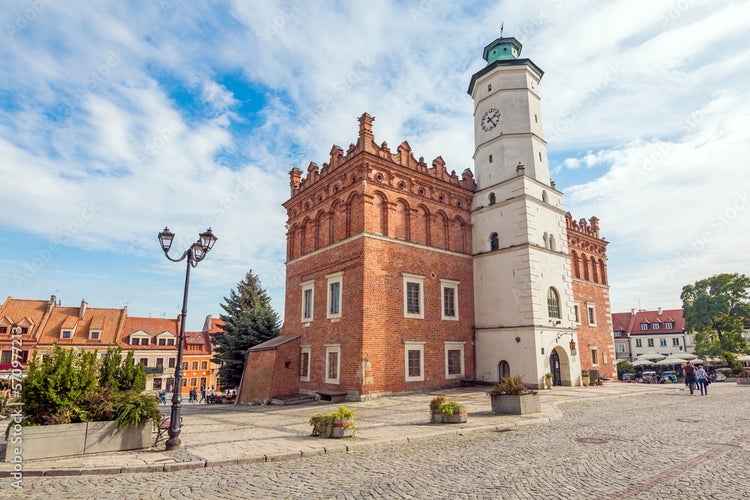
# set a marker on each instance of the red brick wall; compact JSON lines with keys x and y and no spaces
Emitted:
{"x":600,"y":335}
{"x":271,"y":373}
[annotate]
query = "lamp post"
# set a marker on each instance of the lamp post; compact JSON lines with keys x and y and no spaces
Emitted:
{"x":194,"y":254}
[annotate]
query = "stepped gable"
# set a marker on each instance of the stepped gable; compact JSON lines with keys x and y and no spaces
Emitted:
{"x":403,"y":156}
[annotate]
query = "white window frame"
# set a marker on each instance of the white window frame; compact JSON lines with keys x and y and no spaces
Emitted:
{"x":594,"y":352}
{"x":638,"y":343}
{"x":96,"y":332}
{"x":305,"y":349}
{"x":591,"y":314}
{"x":413,"y":278}
{"x":334,"y":278}
{"x":141,"y":338}
{"x":650,"y":342}
{"x":621,"y":348}
{"x":414,"y":346}
{"x":662,"y":342}
{"x":669,"y":325}
{"x":69,"y":331}
{"x":330,"y":348}
{"x":308,"y":285}
{"x":455,"y":346}
{"x":449,"y":285}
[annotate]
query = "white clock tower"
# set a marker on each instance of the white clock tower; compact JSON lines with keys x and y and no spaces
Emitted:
{"x":523,"y":295}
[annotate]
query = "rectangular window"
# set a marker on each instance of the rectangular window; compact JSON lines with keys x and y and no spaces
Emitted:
{"x":194,"y":365}
{"x":308,"y":301}
{"x":3,"y":329}
{"x":669,"y":325}
{"x":575,"y":310}
{"x":160,"y":363}
{"x":620,"y":348}
{"x":162,"y":341}
{"x":95,"y":334}
{"x":450,"y":299}
{"x":454,"y":360}
{"x":638,"y":343}
{"x":651,"y":342}
{"x":413,"y":296}
{"x":594,"y":357}
{"x":170,"y":341}
{"x":676,"y":341}
{"x":414,"y":361}
{"x":304,"y":364}
{"x":144,"y":362}
{"x":6,"y":357}
{"x":644,"y":327}
{"x":204,"y":365}
{"x":157,"y":384}
{"x":332,"y":363}
{"x":591,"y":314}
{"x":184,"y":365}
{"x":67,"y":334}
{"x":655,"y":326}
{"x":144,"y":341}
{"x":662,"y":342}
{"x":203,"y":383}
{"x":334,"y":295}
{"x":172,"y":362}
{"x":184,"y":382}
{"x":193,"y":382}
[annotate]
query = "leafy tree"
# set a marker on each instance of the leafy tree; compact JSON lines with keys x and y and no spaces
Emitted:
{"x":717,"y":309}
{"x":624,"y":366}
{"x":117,"y":374}
{"x":56,"y":390}
{"x":249,"y":321}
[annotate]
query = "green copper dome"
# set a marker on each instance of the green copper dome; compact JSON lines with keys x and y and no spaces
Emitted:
{"x":502,"y":49}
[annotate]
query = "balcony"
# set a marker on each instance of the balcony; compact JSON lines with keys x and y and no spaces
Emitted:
{"x":151,"y":370}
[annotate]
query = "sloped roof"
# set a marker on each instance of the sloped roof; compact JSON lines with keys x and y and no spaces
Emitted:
{"x":673,"y":316}
{"x":199,"y":338}
{"x":16,"y":310}
{"x":274,"y":342}
{"x":109,"y":321}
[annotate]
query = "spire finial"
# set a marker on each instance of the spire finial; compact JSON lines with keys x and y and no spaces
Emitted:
{"x":502,"y":25}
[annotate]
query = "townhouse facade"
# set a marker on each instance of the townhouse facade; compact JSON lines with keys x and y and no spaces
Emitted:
{"x":659,"y":331}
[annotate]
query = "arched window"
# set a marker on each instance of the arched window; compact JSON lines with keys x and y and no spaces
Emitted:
{"x":553,"y":303}
{"x":494,"y":241}
{"x":492,"y":198}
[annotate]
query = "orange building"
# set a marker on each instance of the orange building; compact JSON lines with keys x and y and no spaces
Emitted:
{"x":196,"y":363}
{"x":588,"y":260}
{"x":154,"y":345}
{"x":379,"y":271}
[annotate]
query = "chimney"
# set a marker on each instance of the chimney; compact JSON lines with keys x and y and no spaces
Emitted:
{"x":658,"y":312}
{"x":84,"y":305}
{"x":632,"y":311}
{"x":51,"y":302}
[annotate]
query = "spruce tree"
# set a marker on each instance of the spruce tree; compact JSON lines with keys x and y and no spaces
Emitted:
{"x":249,"y":321}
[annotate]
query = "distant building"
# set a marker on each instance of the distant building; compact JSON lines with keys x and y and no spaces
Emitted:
{"x":659,"y":331}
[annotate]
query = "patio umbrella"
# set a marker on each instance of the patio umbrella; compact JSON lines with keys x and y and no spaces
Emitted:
{"x":643,"y":362}
{"x":683,"y":355}
{"x":670,"y":361}
{"x":743,"y":357}
{"x":653,"y":356}
{"x":697,"y":361}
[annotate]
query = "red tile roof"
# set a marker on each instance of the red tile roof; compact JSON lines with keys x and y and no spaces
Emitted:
{"x":634,"y":322}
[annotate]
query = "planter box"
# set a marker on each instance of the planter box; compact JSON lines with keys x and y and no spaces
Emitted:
{"x":455,"y":418}
{"x":743,"y":381}
{"x":342,"y":430}
{"x":508,"y":404}
{"x":436,"y":417}
{"x":64,"y":440}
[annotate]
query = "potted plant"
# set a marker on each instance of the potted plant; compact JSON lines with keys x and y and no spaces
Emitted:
{"x":336,"y":424}
{"x":511,"y":397}
{"x":585,"y":378}
{"x":548,"y":380}
{"x":436,"y":416}
{"x":453,"y":413}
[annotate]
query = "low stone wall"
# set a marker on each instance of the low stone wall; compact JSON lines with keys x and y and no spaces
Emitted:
{"x":63,"y":440}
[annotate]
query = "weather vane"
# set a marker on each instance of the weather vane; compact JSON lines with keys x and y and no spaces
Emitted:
{"x":502,"y":25}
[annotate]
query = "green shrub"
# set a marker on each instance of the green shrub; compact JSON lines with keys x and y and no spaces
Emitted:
{"x":322,"y":423}
{"x":131,"y":409}
{"x":511,"y":385}
{"x":450,"y":408}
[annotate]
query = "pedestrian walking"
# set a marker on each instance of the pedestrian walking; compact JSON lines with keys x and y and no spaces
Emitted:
{"x":702,"y":378}
{"x":689,"y":372}
{"x":203,"y":395}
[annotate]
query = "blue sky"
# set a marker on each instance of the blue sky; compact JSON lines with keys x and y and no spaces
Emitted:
{"x":117,"y":119}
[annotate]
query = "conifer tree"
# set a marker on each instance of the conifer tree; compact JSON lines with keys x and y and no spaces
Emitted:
{"x":249,"y":321}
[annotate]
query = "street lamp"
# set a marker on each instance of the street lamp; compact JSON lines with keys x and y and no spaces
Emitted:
{"x":194,"y":254}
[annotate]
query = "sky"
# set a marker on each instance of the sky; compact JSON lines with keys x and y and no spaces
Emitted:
{"x":120,"y":118}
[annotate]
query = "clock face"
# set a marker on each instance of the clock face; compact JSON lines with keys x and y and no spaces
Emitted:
{"x":490,"y":119}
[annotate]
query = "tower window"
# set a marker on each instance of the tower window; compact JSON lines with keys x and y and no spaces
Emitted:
{"x":540,"y":156}
{"x":489,"y":87}
{"x":492,"y":198}
{"x":494,"y":241}
{"x":553,"y":303}
{"x":490,"y":158}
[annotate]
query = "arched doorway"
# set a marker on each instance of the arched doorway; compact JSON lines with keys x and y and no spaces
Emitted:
{"x":503,"y":369}
{"x":554,"y":366}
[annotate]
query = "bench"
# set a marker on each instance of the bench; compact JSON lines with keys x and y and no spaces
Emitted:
{"x":332,"y":396}
{"x":162,"y":429}
{"x":468,"y":382}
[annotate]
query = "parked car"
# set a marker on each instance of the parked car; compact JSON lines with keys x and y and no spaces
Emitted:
{"x":717,"y":377}
{"x":668,"y":377}
{"x":628,"y":377}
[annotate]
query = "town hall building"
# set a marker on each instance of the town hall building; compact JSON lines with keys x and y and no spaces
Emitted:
{"x":405,"y":276}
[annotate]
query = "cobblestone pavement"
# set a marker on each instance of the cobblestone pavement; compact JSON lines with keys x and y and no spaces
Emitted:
{"x":658,"y":445}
